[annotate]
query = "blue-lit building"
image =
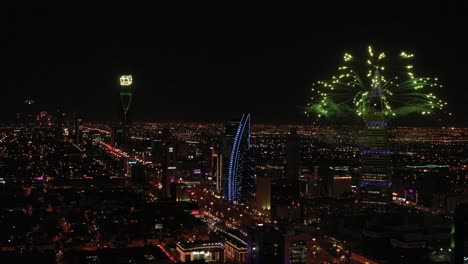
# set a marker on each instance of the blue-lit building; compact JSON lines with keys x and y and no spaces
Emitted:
{"x":376,"y":173}
{"x":240,"y":179}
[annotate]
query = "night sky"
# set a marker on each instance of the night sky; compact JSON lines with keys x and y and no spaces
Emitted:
{"x":212,"y":60}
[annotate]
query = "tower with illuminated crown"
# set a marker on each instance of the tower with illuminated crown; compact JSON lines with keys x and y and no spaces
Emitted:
{"x":126,"y":97}
{"x":375,"y":182}
{"x":121,"y":132}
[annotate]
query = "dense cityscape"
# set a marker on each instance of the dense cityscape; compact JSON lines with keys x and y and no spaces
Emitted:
{"x":232,"y":132}
{"x":76,"y":191}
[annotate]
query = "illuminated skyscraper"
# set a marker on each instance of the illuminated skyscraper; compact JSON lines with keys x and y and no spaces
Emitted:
{"x":121,"y":132}
{"x":169,"y":162}
{"x":376,"y":172}
{"x":126,"y":96}
{"x":240,"y":180}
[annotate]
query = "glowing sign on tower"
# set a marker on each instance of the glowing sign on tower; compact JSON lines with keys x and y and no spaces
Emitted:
{"x":126,"y":80}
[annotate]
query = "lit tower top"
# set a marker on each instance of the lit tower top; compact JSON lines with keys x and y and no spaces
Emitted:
{"x":377,"y":93}
{"x":126,"y":94}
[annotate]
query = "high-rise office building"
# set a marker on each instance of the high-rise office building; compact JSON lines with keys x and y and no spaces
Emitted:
{"x":270,"y":244}
{"x":59,"y":116}
{"x":117,"y":136}
{"x":265,"y":244}
{"x":179,"y":192}
{"x":240,"y":180}
{"x":263,"y":193}
{"x":285,"y":200}
{"x":225,"y":153}
{"x":79,"y":130}
{"x":219,"y":172}
{"x":311,"y":185}
{"x":217,"y":169}
{"x":340,"y":184}
{"x":376,"y":173}
{"x":169,"y":162}
{"x":297,"y":247}
{"x":138,"y":172}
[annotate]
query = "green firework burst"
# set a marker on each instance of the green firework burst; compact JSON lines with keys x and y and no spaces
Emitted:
{"x":350,"y":91}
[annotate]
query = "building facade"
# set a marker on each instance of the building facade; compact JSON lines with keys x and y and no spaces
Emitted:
{"x":376,"y":173}
{"x":240,"y":185}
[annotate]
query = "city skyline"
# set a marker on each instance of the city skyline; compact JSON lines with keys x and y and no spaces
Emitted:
{"x":191,"y":63}
{"x":243,"y":132}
